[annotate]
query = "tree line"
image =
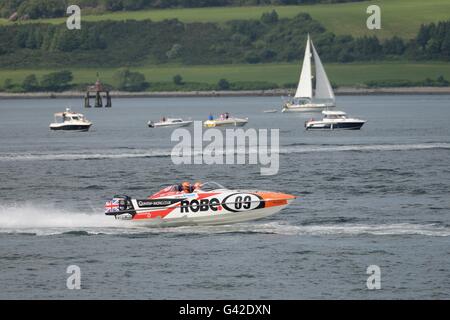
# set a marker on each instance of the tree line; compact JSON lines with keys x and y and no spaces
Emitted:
{"x":269,"y":39}
{"x":126,"y":80}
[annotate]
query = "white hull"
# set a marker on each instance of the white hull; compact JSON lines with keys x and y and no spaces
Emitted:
{"x":232,"y":122}
{"x":169,"y":125}
{"x":70,"y":126}
{"x":171,"y":207}
{"x":322,"y":125}
{"x":211,"y":219}
{"x":334,"y":120}
{"x":310,"y":107}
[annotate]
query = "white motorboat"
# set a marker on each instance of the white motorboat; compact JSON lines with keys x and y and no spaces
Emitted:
{"x":225,"y":121}
{"x":69,"y":120}
{"x":170,"y":123}
{"x":333,"y":120}
{"x":271,"y":111}
{"x":305,"y":100}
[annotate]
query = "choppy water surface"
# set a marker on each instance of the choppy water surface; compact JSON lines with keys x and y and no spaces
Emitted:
{"x":376,"y":196}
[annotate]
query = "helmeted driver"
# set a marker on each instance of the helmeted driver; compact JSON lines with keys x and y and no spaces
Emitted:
{"x":186,"y":187}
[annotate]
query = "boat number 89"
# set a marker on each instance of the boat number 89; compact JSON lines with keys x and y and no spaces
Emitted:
{"x":243,"y":202}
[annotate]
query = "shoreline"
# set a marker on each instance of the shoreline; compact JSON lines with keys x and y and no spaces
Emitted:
{"x":264,"y":93}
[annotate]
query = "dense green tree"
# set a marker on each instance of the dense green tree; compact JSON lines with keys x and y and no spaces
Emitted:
{"x":423,"y":36}
{"x":223,"y":84}
{"x":30,"y":83}
{"x":269,"y":17}
{"x":56,"y":81}
{"x":8,"y":84}
{"x":174,"y":51}
{"x":127,"y":80}
{"x":178,"y":80}
{"x":394,"y":46}
{"x":42,"y":8}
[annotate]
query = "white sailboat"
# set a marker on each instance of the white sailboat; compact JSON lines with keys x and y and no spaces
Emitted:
{"x":305,"y":99}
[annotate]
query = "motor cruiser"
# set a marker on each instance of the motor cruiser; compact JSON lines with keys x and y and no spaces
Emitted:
{"x":209,"y":204}
{"x":69,"y":120}
{"x":333,"y":120}
{"x":225,"y":120}
{"x":170,"y":123}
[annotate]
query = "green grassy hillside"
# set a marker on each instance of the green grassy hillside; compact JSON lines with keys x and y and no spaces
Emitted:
{"x":341,"y":74}
{"x":399,"y":17}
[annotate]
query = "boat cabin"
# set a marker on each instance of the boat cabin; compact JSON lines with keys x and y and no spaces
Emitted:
{"x":334,"y":114}
{"x":68,"y":115}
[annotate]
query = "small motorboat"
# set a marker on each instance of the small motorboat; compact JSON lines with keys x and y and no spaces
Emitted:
{"x":225,"y":120}
{"x":70,"y":121}
{"x":170,"y":123}
{"x":271,"y":111}
{"x":333,"y":120}
{"x":208,"y":204}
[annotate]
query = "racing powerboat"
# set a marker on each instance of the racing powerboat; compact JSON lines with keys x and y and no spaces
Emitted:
{"x":225,"y":120}
{"x":209,"y":204}
{"x":170,"y":123}
{"x":333,"y":120}
{"x":69,"y":120}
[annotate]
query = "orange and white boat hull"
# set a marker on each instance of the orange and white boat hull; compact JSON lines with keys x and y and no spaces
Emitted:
{"x":202,"y":208}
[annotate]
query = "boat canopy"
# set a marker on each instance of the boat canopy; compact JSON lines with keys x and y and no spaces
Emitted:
{"x":334,"y":113}
{"x":68,"y":114}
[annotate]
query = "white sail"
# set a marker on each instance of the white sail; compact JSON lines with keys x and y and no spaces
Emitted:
{"x":304,"y":89}
{"x":323,"y":86}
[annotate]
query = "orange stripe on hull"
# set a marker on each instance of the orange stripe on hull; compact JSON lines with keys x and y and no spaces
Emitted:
{"x":274,"y":199}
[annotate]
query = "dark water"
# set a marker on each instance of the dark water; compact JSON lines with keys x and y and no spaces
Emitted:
{"x":379,"y":196}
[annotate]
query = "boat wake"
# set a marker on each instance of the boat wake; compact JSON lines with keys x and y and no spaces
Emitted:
{"x":154,"y":153}
{"x":87,"y":155}
{"x":29,"y":220}
{"x":364,"y":148}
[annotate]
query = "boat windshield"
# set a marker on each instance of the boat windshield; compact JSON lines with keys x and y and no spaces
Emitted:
{"x":211,"y":185}
{"x":335,"y":116}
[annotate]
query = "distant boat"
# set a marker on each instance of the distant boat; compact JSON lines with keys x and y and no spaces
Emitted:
{"x":70,"y":121}
{"x":225,"y":121}
{"x":170,"y":123}
{"x":333,"y":120}
{"x":305,"y":99}
{"x":271,"y":111}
